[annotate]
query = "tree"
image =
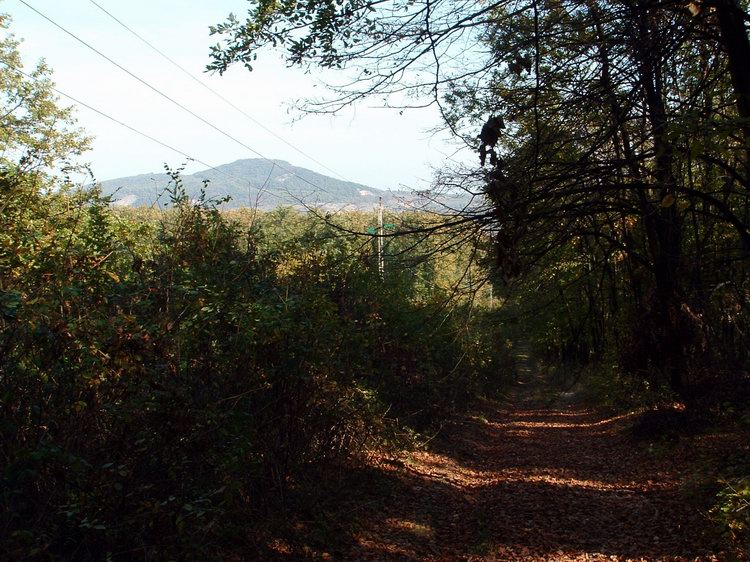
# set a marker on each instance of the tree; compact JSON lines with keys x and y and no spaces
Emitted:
{"x":618,"y":129}
{"x":37,"y":133}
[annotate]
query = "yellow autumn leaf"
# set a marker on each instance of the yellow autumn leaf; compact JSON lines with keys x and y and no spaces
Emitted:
{"x":668,"y":200}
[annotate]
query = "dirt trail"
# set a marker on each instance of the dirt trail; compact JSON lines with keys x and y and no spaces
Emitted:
{"x":530,"y":482}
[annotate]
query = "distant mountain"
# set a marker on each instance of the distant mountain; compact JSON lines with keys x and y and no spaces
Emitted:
{"x":254,"y":182}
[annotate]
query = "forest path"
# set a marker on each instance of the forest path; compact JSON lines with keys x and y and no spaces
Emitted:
{"x":529,"y":481}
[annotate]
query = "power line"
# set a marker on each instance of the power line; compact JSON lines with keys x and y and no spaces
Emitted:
{"x":170,"y":99}
{"x":214,"y":92}
{"x":137,"y":131}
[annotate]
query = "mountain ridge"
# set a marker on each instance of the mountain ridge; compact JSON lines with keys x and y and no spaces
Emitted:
{"x":252,"y":182}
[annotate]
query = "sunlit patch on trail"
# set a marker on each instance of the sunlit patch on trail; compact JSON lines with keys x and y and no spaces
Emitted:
{"x":524,"y":433}
{"x":419,"y":529}
{"x":280,"y":546}
{"x":536,"y":485}
{"x":447,"y":470}
{"x":545,"y":424}
{"x":380,"y":546}
{"x":547,"y":414}
{"x":566,"y":481}
{"x":522,"y":553}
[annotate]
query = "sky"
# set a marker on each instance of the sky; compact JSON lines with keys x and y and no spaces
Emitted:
{"x":378,"y":147}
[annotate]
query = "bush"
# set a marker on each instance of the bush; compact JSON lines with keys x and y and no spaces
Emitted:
{"x":160,"y":378}
{"x":732,"y":510}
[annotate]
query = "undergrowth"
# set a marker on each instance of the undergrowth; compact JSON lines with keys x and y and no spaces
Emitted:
{"x":168,"y":384}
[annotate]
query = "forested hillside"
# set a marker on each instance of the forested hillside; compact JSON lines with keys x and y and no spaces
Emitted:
{"x":561,"y":372}
{"x":264,"y":184}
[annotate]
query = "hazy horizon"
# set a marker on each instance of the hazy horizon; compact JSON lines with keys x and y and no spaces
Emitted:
{"x":379,"y":147}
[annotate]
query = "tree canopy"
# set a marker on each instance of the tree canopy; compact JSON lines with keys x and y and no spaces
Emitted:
{"x":184,"y":383}
{"x":37,"y":132}
{"x":615,"y":134}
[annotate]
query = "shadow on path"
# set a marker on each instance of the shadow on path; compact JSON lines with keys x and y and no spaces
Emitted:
{"x":524,"y":482}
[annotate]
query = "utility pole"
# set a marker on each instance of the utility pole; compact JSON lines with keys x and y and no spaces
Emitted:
{"x":381,"y":262}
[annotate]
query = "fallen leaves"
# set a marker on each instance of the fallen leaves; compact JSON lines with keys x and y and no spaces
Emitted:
{"x":540,"y":485}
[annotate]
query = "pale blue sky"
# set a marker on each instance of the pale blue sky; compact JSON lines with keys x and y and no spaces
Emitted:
{"x":369,"y":145}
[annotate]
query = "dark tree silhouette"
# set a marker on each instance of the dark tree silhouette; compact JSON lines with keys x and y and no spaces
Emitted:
{"x":625,"y":128}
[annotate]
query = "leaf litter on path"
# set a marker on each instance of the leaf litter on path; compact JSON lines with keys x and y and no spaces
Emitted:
{"x":540,"y":484}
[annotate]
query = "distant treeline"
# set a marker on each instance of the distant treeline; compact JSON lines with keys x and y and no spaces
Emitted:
{"x":165,"y":374}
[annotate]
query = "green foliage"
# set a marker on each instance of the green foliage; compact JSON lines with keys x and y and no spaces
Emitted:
{"x":37,"y":132}
{"x":618,"y":167}
{"x":732,"y":509}
{"x":165,"y":374}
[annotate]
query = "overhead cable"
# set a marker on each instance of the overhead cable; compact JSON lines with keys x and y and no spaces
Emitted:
{"x":214,"y":92}
{"x":172,"y":100}
{"x":137,"y":131}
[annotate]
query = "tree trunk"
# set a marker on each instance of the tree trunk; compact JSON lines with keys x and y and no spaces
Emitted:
{"x":663,"y":223}
{"x":731,"y":19}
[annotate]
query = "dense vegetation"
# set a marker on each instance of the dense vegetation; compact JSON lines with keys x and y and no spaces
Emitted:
{"x":162,"y":376}
{"x":168,"y":380}
{"x":613,"y":151}
{"x":613,"y":140}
